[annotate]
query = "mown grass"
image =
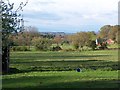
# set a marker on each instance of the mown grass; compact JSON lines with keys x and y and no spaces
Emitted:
{"x":65,"y":60}
{"x":70,"y":79}
{"x":58,"y":70}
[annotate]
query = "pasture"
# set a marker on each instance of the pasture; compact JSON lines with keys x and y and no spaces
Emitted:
{"x":58,"y":69}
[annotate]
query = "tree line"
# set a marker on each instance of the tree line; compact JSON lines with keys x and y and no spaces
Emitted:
{"x":32,"y":37}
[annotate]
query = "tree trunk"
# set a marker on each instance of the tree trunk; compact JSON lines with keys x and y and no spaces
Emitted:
{"x":5,"y":59}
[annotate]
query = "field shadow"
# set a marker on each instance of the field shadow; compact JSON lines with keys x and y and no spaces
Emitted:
{"x":53,"y":82}
{"x":65,"y":66}
{"x":58,"y":57}
{"x":67,"y":62}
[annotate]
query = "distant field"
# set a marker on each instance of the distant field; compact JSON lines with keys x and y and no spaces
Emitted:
{"x":58,"y":69}
{"x":64,"y":60}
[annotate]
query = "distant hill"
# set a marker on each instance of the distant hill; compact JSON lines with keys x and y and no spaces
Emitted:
{"x":56,"y":33}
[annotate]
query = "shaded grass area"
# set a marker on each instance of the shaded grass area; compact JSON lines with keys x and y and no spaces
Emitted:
{"x":45,"y":56}
{"x":64,"y":61}
{"x":70,"y":79}
{"x":66,"y":65}
{"x":58,"y":70}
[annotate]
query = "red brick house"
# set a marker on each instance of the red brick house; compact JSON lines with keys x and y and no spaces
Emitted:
{"x":110,"y":41}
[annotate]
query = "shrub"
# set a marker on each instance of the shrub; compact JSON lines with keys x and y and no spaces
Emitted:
{"x":67,"y":50}
{"x":42,"y":43}
{"x":64,"y":42}
{"x":76,"y":46}
{"x":56,"y":48}
{"x":20,"y":48}
{"x":92,"y":44}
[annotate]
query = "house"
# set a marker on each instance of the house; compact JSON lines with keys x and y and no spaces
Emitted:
{"x":110,"y":41}
{"x":100,"y":41}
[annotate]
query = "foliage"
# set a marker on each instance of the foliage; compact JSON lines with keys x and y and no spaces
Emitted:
{"x":77,"y":40}
{"x":76,"y":46}
{"x":42,"y":43}
{"x":101,"y":43}
{"x":68,"y":50}
{"x":80,"y":39}
{"x":109,"y":32}
{"x":103,"y":46}
{"x":64,"y":42}
{"x":92,"y":35}
{"x":25,"y":38}
{"x":92,"y":44}
{"x":12,"y":23}
{"x":56,"y":48}
{"x":58,"y":39}
{"x":49,"y":36}
{"x":20,"y":48}
{"x":104,"y":31}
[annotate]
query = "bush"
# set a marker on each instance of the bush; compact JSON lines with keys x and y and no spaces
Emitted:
{"x":92,"y":44}
{"x":42,"y":43}
{"x":67,"y":50}
{"x":103,"y":46}
{"x":76,"y":46}
{"x":65,"y":42}
{"x":56,"y":48}
{"x":20,"y":48}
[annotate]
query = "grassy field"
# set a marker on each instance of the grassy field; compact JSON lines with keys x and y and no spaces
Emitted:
{"x":58,"y":70}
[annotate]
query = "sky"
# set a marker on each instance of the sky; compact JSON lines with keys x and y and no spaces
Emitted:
{"x":69,"y":16}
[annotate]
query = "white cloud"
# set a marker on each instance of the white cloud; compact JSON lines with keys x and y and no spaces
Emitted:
{"x":73,"y":12}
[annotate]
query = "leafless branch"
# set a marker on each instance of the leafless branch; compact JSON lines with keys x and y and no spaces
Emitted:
{"x":20,"y":8}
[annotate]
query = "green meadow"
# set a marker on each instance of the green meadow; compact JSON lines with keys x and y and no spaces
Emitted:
{"x":99,"y":69}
